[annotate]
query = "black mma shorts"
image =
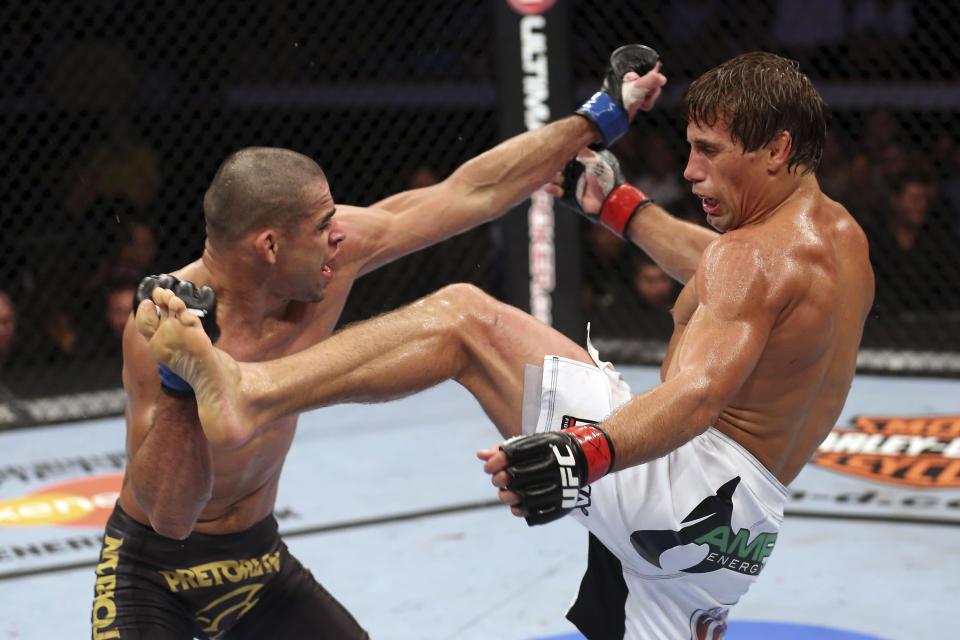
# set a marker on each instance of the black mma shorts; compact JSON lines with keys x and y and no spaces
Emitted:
{"x":230,"y":587}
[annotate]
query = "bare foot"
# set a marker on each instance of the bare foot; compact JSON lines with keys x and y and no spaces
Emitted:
{"x":176,"y":338}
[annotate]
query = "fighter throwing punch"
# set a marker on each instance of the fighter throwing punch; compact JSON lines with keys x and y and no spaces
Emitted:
{"x":682,"y":487}
{"x":192,"y":547}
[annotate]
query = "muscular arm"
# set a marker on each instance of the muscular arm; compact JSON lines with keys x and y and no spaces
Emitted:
{"x":675,"y":244}
{"x":480,"y":190}
{"x":599,"y":190}
{"x":486,"y":186}
{"x":169,"y":469}
{"x":722,"y":343}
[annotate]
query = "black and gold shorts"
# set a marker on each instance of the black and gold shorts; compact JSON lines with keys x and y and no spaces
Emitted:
{"x":234,"y":586}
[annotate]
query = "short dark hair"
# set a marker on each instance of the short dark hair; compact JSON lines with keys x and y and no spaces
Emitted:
{"x":258,"y":186}
{"x":757,"y":95}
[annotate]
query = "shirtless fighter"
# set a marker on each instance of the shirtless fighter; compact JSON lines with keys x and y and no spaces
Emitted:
{"x":682,"y":487}
{"x":192,"y":546}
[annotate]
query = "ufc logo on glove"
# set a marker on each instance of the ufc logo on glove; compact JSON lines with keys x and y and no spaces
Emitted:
{"x":568,"y":477}
{"x":547,"y":481}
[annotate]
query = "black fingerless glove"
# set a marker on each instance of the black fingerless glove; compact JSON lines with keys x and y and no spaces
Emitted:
{"x":548,"y":469}
{"x":606,"y":107}
{"x":201,"y":302}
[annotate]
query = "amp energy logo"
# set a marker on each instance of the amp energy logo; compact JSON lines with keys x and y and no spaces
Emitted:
{"x":920,"y":452}
{"x":708,"y":542}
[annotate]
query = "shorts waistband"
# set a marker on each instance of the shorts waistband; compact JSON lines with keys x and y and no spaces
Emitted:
{"x":260,"y":535}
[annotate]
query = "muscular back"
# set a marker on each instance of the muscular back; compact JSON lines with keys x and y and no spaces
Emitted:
{"x":817,"y":287}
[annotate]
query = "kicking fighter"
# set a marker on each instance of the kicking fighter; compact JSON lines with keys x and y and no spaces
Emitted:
{"x":682,"y":486}
{"x":192,"y":547}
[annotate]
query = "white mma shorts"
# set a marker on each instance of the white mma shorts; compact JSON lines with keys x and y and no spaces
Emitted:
{"x":676,"y":541}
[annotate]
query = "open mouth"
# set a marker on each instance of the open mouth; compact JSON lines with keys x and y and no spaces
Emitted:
{"x":327,"y":270}
{"x":710,"y":205}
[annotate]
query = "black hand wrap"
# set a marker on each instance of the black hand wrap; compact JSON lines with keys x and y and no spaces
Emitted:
{"x":548,"y":469}
{"x":607,"y":172}
{"x":605,"y":108}
{"x":201,"y":302}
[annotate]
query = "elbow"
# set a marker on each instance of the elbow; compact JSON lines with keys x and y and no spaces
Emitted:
{"x":171,"y":528}
{"x":704,"y":418}
{"x":706,"y":409}
{"x":171,"y":523}
{"x":173,"y":519}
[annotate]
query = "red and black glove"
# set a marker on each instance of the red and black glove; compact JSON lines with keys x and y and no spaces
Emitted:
{"x":548,"y":469}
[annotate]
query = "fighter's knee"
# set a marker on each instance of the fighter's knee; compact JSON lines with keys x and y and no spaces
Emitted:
{"x":467,"y":305}
{"x":464,"y":296}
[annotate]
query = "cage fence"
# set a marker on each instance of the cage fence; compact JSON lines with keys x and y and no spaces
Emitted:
{"x":115,"y":116}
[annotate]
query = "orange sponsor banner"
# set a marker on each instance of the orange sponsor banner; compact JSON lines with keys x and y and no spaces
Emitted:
{"x":82,"y":502}
{"x":921,"y":452}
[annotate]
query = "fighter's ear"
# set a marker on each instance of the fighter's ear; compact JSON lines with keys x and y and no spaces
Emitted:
{"x":778,"y":151}
{"x":266,"y":244}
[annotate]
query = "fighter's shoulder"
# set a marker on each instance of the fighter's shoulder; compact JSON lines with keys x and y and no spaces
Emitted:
{"x":353,"y":210}
{"x":848,"y":245}
{"x":843,"y":223}
{"x":365,"y":229}
{"x":739,"y":248}
{"x":357,"y":220}
{"x":195,"y":272}
{"x":743,"y":267}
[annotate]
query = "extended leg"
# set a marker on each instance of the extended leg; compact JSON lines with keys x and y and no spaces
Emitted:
{"x":457,"y":333}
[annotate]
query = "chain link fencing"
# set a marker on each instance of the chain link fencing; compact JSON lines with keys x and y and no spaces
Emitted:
{"x":115,"y":116}
{"x":889,"y":72}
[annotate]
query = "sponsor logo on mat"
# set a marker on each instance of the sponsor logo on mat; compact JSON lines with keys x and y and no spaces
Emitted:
{"x":80,"y":502}
{"x":908,"y":451}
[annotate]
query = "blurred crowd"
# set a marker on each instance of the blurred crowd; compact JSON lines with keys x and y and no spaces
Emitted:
{"x":61,"y":324}
{"x":112,"y":141}
{"x":906,"y":197}
{"x":63,"y":305}
{"x":64,"y":334}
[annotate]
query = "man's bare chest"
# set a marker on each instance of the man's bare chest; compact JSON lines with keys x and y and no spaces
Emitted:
{"x":685,"y":305}
{"x":274,"y":341}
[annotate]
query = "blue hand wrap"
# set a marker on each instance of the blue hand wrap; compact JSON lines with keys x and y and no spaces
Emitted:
{"x":173,"y":384}
{"x":607,"y":115}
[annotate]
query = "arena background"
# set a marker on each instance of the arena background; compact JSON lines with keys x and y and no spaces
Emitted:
{"x":115,"y":116}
